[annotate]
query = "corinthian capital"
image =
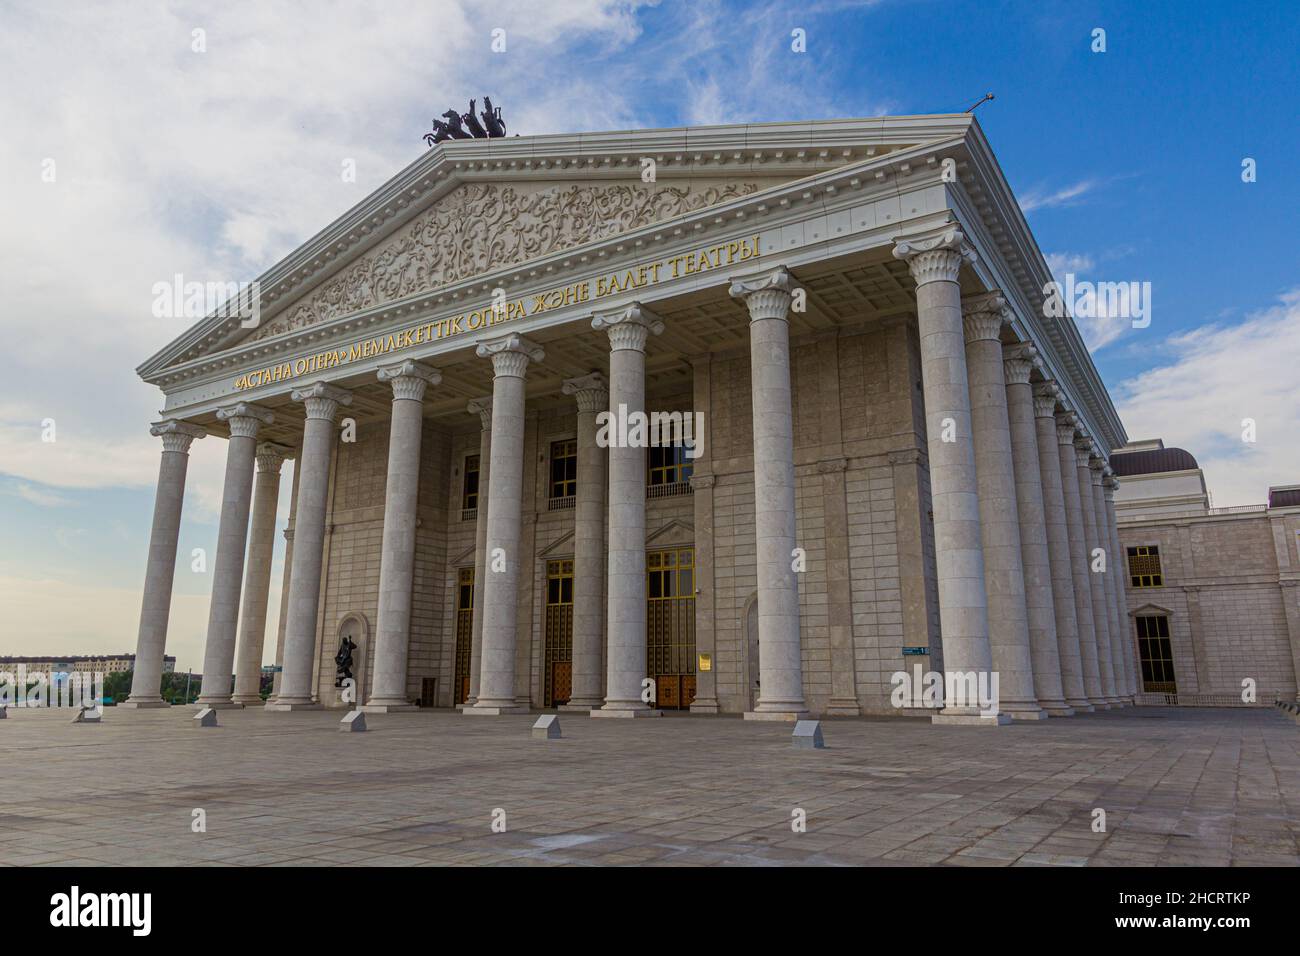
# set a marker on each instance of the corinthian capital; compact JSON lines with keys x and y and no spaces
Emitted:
{"x":409,"y":379}
{"x":511,"y":354}
{"x":482,"y":407}
{"x":630,"y":328}
{"x":984,"y":315}
{"x":591,"y":391}
{"x":322,"y":400}
{"x":244,"y":418}
{"x":176,"y":435}
{"x":767,"y":296}
{"x":1019,"y":362}
{"x":935,"y":255}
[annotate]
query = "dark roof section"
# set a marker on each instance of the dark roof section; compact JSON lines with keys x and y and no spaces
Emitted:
{"x":1283,"y":497}
{"x":1151,"y":462}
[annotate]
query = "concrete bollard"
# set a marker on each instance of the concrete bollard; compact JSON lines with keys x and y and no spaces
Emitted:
{"x":808,"y":735}
{"x":547,"y":727}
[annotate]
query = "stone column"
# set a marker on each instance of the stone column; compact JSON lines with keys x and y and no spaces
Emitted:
{"x":510,"y":356}
{"x":1020,"y":361}
{"x":482,"y":407}
{"x":322,"y":402}
{"x":935,"y":262}
{"x":592,"y":394}
{"x":780,"y":656}
{"x":284,"y":589}
{"x":1096,"y":580}
{"x":1004,"y":583}
{"x":626,"y":595}
{"x":1123,"y":622}
{"x":703,"y":482}
{"x":160,"y":568}
{"x":397,"y":556}
{"x":1058,"y":548}
{"x":1079,"y":561}
{"x":232,"y":540}
{"x":1121,"y":660}
{"x":257,"y":575}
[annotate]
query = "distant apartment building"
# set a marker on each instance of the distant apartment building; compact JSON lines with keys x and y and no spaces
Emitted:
{"x":101,"y":663}
{"x":1213,"y":593}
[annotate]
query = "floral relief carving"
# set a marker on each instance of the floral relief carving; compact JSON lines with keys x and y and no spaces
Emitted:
{"x":482,"y":226}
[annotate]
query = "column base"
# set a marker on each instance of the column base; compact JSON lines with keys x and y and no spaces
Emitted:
{"x":642,"y":711}
{"x":387,"y":707}
{"x":1023,"y":712}
{"x":284,"y":706}
{"x":221,"y":703}
{"x":579,"y":708}
{"x":1057,"y":709}
{"x":709,"y":706}
{"x":251,"y":700}
{"x":786,"y":715}
{"x":144,"y":703}
{"x":482,"y":709}
{"x":970,"y":720}
{"x":1098,"y":704}
{"x":1080,"y":706}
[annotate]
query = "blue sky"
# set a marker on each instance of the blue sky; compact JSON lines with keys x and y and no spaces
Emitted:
{"x":219,"y":161}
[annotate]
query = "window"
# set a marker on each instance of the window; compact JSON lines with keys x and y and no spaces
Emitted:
{"x":1155,"y":653}
{"x":1144,"y":567}
{"x":469,"y":492}
{"x":668,"y":462}
{"x":564,"y":468}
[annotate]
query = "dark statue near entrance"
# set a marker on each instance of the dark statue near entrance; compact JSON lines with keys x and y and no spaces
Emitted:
{"x":343,"y":661}
{"x":467,"y":125}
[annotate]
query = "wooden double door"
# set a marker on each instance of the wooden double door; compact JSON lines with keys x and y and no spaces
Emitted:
{"x":557,"y":658}
{"x":670,"y":626}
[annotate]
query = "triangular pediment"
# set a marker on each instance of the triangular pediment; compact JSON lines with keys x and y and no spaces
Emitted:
{"x":1150,"y":609}
{"x":563,"y":545}
{"x":470,"y":207}
{"x":675,"y":533}
{"x":479,"y":227}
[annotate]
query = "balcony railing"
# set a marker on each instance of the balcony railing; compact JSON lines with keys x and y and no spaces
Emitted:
{"x":561,"y":504}
{"x":670,"y":490}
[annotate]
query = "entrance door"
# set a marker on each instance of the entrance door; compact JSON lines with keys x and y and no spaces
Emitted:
{"x":670,"y":626}
{"x":557,"y":665}
{"x":464,"y":633}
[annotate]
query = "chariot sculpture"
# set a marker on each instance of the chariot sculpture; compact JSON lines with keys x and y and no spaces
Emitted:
{"x":468,"y":125}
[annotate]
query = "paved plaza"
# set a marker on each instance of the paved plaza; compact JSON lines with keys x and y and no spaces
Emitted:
{"x":1179,"y":786}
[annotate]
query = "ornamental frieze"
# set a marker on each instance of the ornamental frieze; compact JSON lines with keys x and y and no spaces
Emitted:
{"x":482,"y":226}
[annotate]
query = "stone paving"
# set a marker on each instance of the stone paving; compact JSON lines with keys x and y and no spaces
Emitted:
{"x":1179,"y":786}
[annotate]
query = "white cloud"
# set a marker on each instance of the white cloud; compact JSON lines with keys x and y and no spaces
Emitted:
{"x":1041,"y":197}
{"x":39,"y":496}
{"x":1217,"y":376}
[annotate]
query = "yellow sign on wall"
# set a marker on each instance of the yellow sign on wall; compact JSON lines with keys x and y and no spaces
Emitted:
{"x":502,"y":310}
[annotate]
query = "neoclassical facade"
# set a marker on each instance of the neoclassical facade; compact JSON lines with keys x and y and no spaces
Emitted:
{"x":730,"y":419}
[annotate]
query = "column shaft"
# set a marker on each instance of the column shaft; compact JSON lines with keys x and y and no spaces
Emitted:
{"x":780,"y":662}
{"x":592,"y":396}
{"x":257,"y":576}
{"x":1123,"y":622}
{"x":397,"y":556}
{"x":935,"y":263}
{"x":1096,"y":579}
{"x":1004,"y":581}
{"x":626,"y":594}
{"x":483,"y":408}
{"x":1109,"y":578}
{"x":1058,"y":547}
{"x":510,"y":357}
{"x":1039,"y":599}
{"x":232,"y":542}
{"x":160,"y":568}
{"x":318,"y":438}
{"x":1079,"y":564}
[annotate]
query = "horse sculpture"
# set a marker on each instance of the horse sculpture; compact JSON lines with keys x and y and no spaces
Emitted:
{"x":467,"y":125}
